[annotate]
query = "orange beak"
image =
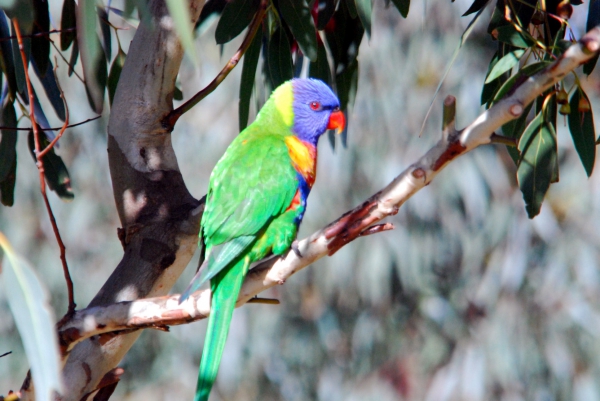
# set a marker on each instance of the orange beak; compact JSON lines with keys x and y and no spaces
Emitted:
{"x":337,"y":121}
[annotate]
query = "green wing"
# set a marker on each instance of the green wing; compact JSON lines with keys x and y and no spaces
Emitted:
{"x":253,"y":183}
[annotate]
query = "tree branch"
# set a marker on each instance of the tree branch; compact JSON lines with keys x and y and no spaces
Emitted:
{"x":166,"y":310}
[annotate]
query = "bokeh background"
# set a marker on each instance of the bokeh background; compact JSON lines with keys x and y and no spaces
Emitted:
{"x":466,"y":299}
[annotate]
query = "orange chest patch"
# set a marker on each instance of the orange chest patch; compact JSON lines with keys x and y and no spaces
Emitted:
{"x":304,"y":158}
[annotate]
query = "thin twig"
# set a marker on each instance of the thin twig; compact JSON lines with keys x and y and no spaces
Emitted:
{"x":65,"y":60}
{"x":34,"y":35}
{"x":40,"y":166}
{"x":173,"y":116}
{"x":52,"y":129}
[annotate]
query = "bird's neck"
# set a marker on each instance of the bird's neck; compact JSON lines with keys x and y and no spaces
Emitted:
{"x":304,"y":158}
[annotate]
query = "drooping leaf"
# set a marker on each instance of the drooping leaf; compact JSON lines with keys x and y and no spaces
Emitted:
{"x":19,"y":71}
{"x":247,"y":81}
{"x":8,"y":64}
{"x":67,"y":24}
{"x":177,"y":93}
{"x":74,"y":57}
{"x":8,"y":140}
{"x":476,"y":6}
{"x":22,"y":10}
{"x":298,"y":17}
{"x":508,"y":34}
{"x":279,"y":58}
{"x":105,"y":29}
{"x":505,"y":64}
{"x":211,"y":10}
{"x":364,"y":9}
{"x":40,"y":117}
{"x":51,"y":88}
{"x":351,"y":7}
{"x":592,"y":21}
{"x":115,"y":73}
{"x":514,"y":129}
{"x":518,"y":77}
{"x":180,"y":13}
{"x":581,"y":125}
{"x":298,"y":64}
{"x":537,"y":163}
{"x":29,"y":302}
{"x":91,"y":54}
{"x":235,"y":18}
{"x":347,"y":85}
{"x":55,"y":171}
{"x":325,"y":10}
{"x":320,"y":68}
{"x":40,"y":45}
{"x":7,"y":187}
{"x":403,"y":6}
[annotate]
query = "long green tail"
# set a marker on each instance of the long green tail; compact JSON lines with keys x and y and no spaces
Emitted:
{"x":225,"y":290}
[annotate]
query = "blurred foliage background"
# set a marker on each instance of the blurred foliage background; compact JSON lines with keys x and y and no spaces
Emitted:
{"x":467,"y":299}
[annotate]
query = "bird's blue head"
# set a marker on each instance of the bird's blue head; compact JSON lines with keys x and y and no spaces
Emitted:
{"x":316,"y":109}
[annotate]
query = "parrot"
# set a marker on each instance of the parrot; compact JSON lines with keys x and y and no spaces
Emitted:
{"x":256,"y":200}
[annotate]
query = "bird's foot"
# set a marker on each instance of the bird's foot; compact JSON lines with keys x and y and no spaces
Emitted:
{"x":295,"y":248}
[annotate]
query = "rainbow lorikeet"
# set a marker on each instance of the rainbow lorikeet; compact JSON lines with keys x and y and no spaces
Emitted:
{"x":256,"y":200}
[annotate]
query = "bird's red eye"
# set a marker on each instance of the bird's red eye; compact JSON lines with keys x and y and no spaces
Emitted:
{"x":315,"y":106}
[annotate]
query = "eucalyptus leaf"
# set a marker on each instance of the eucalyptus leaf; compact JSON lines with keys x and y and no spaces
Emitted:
{"x":320,"y":68}
{"x":247,"y":81}
{"x":51,"y":88}
{"x":19,"y":71}
{"x":300,"y":21}
{"x":8,"y":140}
{"x":325,"y":10}
{"x":518,"y":77}
{"x":403,"y":6}
{"x":581,"y":125}
{"x":508,"y":34}
{"x":105,"y":29}
{"x":7,"y":187}
{"x":55,"y":171}
{"x":8,"y":64}
{"x":40,"y":45}
{"x":364,"y":9}
{"x":67,"y":24}
{"x":505,"y":64}
{"x":235,"y":18}
{"x":115,"y":73}
{"x":91,"y":54}
{"x":279,"y":59}
{"x":29,"y":302}
{"x":538,"y":162}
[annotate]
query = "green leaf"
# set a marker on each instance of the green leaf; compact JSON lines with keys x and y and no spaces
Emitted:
{"x":235,"y":18}
{"x":351,"y":7}
{"x":67,"y":23}
{"x":40,"y":45}
{"x":505,"y":64}
{"x":8,"y":65}
{"x":279,"y":58}
{"x":19,"y":71}
{"x":29,"y":302}
{"x":91,"y":55}
{"x":508,"y":34}
{"x":298,"y":17}
{"x":22,"y":10}
{"x":518,"y":77}
{"x":115,"y":73}
{"x":74,"y":57}
{"x":51,"y":88}
{"x":8,"y":140}
{"x":247,"y":81}
{"x":326,"y":9}
{"x":364,"y":8}
{"x":537,"y":164}
{"x":177,"y":93}
{"x":476,"y":6}
{"x":180,"y":13}
{"x":105,"y":29}
{"x":211,"y":10}
{"x":7,"y":187}
{"x":514,"y":129}
{"x":347,"y":84}
{"x":320,"y":68}
{"x":581,"y":125}
{"x":403,"y":6}
{"x":55,"y":170}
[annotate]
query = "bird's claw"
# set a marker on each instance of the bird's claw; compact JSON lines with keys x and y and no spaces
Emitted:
{"x":295,"y":248}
